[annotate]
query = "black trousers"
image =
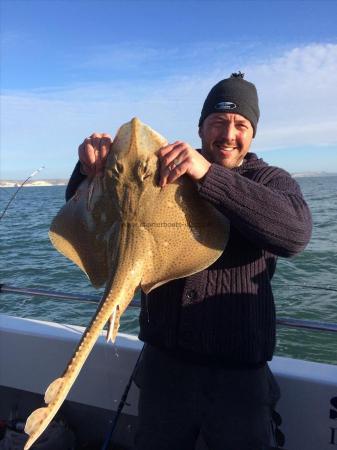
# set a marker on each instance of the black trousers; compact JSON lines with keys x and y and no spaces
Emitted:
{"x":231,"y":408}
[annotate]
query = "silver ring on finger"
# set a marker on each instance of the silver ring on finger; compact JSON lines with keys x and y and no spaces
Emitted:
{"x":174,"y":164}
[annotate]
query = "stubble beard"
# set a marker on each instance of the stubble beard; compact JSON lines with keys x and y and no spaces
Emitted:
{"x":226,"y":163}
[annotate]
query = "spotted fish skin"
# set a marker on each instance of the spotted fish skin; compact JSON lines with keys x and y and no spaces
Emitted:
{"x":125,"y":231}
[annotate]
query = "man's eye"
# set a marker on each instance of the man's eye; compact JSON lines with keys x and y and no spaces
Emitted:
{"x":241,"y":125}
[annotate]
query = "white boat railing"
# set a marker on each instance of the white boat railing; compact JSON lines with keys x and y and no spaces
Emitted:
{"x":315,"y":325}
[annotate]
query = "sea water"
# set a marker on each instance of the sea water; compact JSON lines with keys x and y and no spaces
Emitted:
{"x":305,"y":286}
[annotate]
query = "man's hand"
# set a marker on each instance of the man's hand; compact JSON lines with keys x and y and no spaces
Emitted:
{"x":93,"y":153}
{"x":178,"y":159}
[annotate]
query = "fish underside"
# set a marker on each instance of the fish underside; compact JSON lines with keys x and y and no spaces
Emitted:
{"x":125,"y":231}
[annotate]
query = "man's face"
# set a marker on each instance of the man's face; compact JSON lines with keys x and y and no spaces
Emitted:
{"x":226,"y":138}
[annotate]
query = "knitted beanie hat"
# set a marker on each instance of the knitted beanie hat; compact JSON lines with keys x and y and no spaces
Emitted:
{"x":233,"y":95}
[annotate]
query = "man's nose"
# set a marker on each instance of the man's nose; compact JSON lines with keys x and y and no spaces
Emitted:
{"x":228,"y":132}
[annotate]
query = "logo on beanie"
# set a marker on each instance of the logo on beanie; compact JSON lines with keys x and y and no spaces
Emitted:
{"x":224,"y":106}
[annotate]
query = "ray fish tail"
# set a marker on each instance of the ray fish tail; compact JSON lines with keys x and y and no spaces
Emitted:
{"x":118,"y":294}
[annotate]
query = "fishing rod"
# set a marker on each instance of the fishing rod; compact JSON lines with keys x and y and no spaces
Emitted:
{"x":18,"y":189}
{"x":122,"y":402}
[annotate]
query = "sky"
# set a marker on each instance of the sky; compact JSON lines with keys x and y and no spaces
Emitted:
{"x":71,"y":68}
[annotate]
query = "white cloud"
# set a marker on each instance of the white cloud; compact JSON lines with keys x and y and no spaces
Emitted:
{"x":298,"y":102}
{"x":298,"y":96}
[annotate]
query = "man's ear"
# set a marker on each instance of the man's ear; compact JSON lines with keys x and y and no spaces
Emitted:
{"x":200,"y":132}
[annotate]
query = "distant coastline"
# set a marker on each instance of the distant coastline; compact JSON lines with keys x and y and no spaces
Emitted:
{"x":35,"y":183}
{"x":313,"y":174}
{"x":64,"y":182}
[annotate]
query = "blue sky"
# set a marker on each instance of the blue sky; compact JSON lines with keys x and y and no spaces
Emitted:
{"x":73,"y":67}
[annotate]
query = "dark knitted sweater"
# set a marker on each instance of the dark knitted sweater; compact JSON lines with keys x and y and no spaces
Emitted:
{"x":226,"y":313}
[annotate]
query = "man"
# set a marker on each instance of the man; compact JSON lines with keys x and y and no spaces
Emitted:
{"x":209,"y":336}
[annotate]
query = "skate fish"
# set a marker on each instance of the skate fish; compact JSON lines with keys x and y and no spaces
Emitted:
{"x":125,"y":231}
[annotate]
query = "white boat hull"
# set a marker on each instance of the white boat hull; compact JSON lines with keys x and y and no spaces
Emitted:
{"x":32,"y":353}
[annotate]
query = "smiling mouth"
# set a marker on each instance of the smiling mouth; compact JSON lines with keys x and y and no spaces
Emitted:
{"x":222,"y":148}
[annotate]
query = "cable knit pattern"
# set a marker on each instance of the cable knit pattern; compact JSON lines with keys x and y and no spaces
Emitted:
{"x":264,"y":202}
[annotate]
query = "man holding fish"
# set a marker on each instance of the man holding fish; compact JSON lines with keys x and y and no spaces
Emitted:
{"x":208,"y":337}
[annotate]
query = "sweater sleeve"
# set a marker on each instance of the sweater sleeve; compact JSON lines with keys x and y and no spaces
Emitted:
{"x":75,"y":180}
{"x":270,"y":212}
